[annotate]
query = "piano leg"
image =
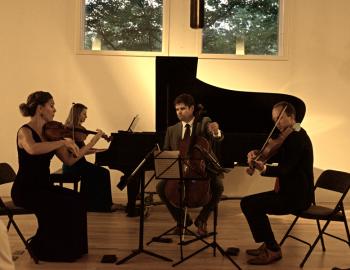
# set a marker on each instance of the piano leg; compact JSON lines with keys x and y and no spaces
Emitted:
{"x":133,"y":190}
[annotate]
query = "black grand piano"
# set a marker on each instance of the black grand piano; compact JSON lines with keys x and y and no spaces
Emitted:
{"x":244,"y":117}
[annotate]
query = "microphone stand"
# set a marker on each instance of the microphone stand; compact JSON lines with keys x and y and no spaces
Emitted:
{"x":141,"y":249}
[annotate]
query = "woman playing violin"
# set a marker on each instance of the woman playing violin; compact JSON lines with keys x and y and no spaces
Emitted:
{"x":96,"y":184}
{"x":293,"y":190}
{"x":61,"y":213}
{"x":184,"y":106}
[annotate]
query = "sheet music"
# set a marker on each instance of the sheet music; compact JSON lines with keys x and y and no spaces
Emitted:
{"x":166,"y":164}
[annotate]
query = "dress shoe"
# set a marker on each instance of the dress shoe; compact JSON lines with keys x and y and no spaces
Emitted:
{"x":266,"y":257}
{"x":189,"y":221}
{"x":232,"y":251}
{"x":257,"y":251}
{"x":178,"y":231}
{"x":201,"y":227}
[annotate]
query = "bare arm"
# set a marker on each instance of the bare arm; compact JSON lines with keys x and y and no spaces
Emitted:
{"x":95,"y":150}
{"x":67,"y":158}
{"x":26,"y":141}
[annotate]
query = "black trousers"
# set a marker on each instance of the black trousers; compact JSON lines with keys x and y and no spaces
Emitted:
{"x":256,"y":208}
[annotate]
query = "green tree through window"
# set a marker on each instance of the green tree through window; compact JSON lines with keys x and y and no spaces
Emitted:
{"x":250,"y":25}
{"x":123,"y":25}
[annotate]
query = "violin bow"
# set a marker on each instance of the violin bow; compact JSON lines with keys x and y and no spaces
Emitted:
{"x":73,"y":126}
{"x":271,"y":132}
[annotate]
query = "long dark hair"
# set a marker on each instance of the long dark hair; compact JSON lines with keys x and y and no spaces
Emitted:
{"x":33,"y":101}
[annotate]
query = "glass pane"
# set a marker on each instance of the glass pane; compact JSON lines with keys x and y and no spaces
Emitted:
{"x":242,"y":27}
{"x":123,"y":25}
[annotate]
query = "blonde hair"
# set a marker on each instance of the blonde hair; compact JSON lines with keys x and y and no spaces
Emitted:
{"x":74,"y":115}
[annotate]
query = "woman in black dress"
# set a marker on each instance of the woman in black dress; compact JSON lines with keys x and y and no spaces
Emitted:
{"x":61,"y":213}
{"x":96,"y":181}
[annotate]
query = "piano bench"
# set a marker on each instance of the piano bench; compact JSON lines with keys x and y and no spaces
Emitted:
{"x":60,"y":178}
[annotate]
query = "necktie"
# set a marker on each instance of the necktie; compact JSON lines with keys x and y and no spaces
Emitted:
{"x":186,"y":139}
{"x":187,"y":134}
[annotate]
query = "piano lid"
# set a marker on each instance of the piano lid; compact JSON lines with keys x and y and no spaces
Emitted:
{"x":244,"y":117}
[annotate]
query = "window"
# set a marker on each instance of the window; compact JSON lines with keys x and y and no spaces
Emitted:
{"x":242,"y":27}
{"x":123,"y":25}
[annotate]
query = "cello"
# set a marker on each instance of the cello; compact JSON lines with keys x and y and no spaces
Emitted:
{"x":193,"y":190}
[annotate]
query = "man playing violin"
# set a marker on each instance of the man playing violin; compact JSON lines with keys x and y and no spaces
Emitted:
{"x":184,"y":106}
{"x":293,"y":190}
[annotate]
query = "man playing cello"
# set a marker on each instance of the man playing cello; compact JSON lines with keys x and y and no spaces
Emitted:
{"x":176,"y":134}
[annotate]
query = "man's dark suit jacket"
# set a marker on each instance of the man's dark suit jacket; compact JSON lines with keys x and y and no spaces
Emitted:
{"x":295,"y":171}
{"x":174,"y":134}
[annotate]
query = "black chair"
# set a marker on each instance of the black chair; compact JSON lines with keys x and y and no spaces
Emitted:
{"x":331,"y":180}
{"x":60,"y":178}
{"x":9,"y":209}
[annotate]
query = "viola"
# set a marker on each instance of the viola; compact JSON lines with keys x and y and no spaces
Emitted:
{"x":54,"y":131}
{"x":271,"y":146}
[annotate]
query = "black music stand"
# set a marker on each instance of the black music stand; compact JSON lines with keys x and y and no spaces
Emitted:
{"x":141,"y":226}
{"x":170,"y":168}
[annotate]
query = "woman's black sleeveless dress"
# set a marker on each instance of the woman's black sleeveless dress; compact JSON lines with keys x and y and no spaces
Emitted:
{"x":95,"y":185}
{"x":61,"y":213}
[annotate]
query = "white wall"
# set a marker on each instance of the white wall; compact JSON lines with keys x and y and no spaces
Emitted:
{"x":37,"y":52}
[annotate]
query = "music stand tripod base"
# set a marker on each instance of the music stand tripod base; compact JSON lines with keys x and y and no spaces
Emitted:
{"x":140,"y":250}
{"x":214,"y":244}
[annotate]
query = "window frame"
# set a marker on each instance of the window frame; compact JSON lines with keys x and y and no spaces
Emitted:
{"x":283,"y":21}
{"x":80,"y":23}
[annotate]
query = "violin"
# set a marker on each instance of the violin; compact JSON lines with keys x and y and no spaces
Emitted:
{"x":271,"y":146}
{"x":54,"y":131}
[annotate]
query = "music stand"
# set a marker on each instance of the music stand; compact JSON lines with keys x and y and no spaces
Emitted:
{"x":132,"y":124}
{"x":169,"y":166}
{"x":141,"y":226}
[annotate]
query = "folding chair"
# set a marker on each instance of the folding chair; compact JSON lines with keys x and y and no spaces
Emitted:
{"x":9,"y":209}
{"x":331,"y":180}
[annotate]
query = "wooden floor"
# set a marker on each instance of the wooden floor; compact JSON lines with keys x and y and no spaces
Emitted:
{"x":113,"y":233}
